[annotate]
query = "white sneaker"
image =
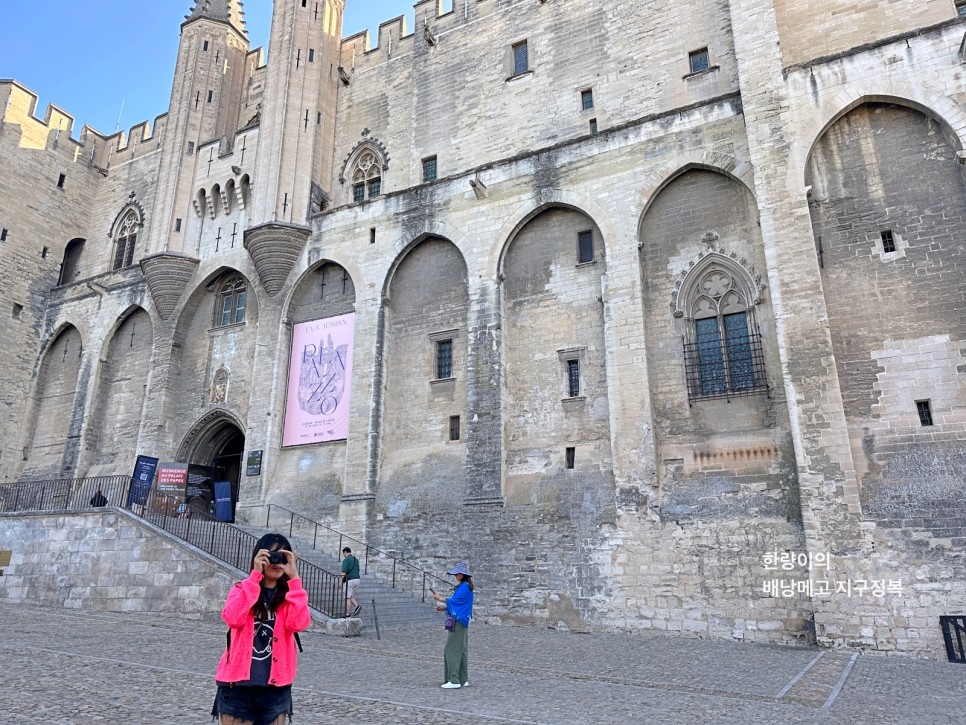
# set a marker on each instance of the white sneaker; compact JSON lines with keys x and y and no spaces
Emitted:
{"x":466,"y":684}
{"x":451,"y":685}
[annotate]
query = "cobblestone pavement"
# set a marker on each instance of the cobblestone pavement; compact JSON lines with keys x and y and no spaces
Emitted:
{"x":66,"y":667}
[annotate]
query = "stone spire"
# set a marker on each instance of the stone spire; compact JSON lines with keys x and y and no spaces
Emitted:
{"x":226,"y":11}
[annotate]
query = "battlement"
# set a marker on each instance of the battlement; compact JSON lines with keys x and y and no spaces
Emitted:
{"x":57,"y":126}
{"x":395,"y":39}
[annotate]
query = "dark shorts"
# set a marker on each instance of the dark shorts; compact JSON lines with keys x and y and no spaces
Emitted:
{"x":254,"y":703}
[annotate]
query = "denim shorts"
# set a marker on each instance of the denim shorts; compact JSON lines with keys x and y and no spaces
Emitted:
{"x":259,"y":704}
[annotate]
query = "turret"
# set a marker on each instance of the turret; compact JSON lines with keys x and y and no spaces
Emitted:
{"x":297,"y":134}
{"x":205,"y":102}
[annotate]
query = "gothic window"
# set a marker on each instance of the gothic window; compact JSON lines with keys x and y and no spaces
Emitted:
{"x":126,"y":238}
{"x":722,"y":350}
{"x":366,"y":178}
{"x":230,"y":302}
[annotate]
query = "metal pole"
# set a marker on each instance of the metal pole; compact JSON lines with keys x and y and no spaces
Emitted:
{"x":268,"y":516}
{"x":291,"y":523}
{"x":375,"y":618}
{"x":315,"y":536}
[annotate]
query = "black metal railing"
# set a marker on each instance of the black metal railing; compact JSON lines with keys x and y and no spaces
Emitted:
{"x":217,"y":538}
{"x":396,"y":570}
{"x":954,"y":632}
{"x":721,"y":369}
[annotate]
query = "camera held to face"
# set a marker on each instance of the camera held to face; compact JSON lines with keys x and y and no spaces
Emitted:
{"x":277,"y":557}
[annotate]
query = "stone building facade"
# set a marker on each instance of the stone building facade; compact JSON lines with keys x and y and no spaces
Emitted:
{"x":656,"y":305}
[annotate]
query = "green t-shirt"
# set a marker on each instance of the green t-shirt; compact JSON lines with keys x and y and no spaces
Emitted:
{"x":350,"y":567}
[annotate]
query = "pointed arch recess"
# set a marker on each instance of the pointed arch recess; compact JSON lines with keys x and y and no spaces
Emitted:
{"x":685,"y":294}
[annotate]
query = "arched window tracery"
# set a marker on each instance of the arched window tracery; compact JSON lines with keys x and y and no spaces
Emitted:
{"x":366,"y":178}
{"x":126,"y":238}
{"x":231,"y":302}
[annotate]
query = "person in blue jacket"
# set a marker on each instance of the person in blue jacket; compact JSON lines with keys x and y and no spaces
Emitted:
{"x":460,"y":606}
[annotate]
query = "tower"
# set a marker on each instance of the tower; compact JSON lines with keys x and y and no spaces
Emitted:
{"x":294,"y":165}
{"x":206,"y":96}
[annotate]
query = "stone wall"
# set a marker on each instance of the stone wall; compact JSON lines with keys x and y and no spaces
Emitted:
{"x":108,"y":561}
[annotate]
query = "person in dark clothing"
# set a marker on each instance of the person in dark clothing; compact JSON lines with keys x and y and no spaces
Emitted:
{"x":350,"y":579}
{"x":98,"y":499}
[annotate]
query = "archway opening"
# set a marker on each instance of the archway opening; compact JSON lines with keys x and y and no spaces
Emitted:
{"x":214,"y":459}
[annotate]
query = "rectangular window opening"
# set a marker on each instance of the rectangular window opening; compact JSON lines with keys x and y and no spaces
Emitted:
{"x":961,"y":7}
{"x":44,"y":252}
{"x":454,"y":427}
{"x":429,"y":169}
{"x":570,"y":453}
{"x":593,"y":127}
{"x":191,"y":148}
{"x":444,"y":359}
{"x":17,"y":311}
{"x":521,"y":58}
{"x":359,"y":192}
{"x":585,"y":246}
{"x":205,"y":47}
{"x":888,"y":243}
{"x":211,"y":95}
{"x":177,"y":225}
{"x":60,"y":181}
{"x":311,"y":55}
{"x":375,"y":187}
{"x":924,"y":408}
{"x":372,"y":235}
{"x":586,"y":99}
{"x":3,"y":235}
{"x":573,"y":378}
{"x":699,"y":60}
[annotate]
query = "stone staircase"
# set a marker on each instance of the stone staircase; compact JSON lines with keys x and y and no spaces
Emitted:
{"x":395,"y":607}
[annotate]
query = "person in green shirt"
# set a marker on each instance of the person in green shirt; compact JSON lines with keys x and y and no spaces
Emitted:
{"x":350,"y":579}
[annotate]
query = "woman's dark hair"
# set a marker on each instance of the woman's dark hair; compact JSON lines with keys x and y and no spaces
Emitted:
{"x":272,"y":542}
{"x":468,"y":579}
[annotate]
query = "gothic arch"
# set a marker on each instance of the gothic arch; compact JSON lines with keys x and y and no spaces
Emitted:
{"x":921,"y":98}
{"x":118,"y":323}
{"x":205,"y":433}
{"x":368,"y":143}
{"x":532,"y":208}
{"x":132,"y":206}
{"x":661,"y":176}
{"x":406,"y":244}
{"x":748,"y":282}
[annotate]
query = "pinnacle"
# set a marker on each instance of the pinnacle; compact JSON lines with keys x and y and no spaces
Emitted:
{"x":227,"y":11}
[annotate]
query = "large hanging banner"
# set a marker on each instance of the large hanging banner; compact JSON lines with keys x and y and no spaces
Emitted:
{"x":319,"y":381}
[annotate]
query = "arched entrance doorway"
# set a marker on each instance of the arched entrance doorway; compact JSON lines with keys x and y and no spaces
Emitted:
{"x":213,"y":450}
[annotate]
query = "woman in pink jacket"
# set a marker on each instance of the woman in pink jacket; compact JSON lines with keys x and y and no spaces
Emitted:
{"x":263,"y":613}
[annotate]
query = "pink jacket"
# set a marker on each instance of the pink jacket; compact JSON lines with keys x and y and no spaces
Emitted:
{"x":291,"y":617}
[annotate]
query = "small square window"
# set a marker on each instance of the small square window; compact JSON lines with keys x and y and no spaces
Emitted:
{"x":17,"y":311}
{"x":585,"y":246}
{"x":699,"y":60}
{"x":454,"y":427}
{"x":586,"y":99}
{"x":888,"y":243}
{"x":593,"y":127}
{"x":191,"y":148}
{"x":444,"y":359}
{"x":924,"y":408}
{"x":570,"y":454}
{"x":60,"y":181}
{"x":429,"y":169}
{"x":521,"y":58}
{"x":573,"y":378}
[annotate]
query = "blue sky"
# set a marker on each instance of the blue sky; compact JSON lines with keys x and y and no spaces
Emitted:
{"x":89,"y":56}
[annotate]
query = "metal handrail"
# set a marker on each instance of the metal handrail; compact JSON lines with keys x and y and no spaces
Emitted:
{"x":228,"y":543}
{"x":403,"y":575}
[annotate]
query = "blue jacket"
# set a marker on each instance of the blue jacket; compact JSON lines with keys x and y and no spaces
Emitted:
{"x":460,"y":605}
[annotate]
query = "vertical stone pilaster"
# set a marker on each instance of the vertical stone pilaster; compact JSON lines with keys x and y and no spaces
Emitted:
{"x":827,"y":478}
{"x":484,"y":397}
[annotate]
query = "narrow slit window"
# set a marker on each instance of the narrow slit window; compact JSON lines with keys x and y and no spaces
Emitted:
{"x":444,"y":359}
{"x":429,"y":169}
{"x":924,"y":408}
{"x":573,"y":378}
{"x":61,"y":180}
{"x":204,"y":47}
{"x":177,"y":225}
{"x":585,"y":247}
{"x":211,"y":94}
{"x":311,"y":55}
{"x":454,"y":427}
{"x":521,"y":58}
{"x":699,"y":60}
{"x":570,"y":454}
{"x":372,"y":235}
{"x":3,"y":235}
{"x":888,"y":243}
{"x":593,"y":127}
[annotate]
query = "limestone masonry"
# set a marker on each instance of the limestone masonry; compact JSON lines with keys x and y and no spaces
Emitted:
{"x":652,"y":310}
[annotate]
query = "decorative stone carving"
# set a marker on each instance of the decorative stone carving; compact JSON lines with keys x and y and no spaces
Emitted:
{"x":731,"y":271}
{"x":167,"y":275}
{"x":219,"y":386}
{"x":274,"y":248}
